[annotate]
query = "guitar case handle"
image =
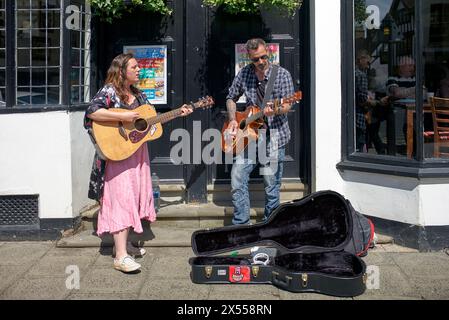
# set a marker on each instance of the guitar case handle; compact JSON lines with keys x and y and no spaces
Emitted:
{"x":282,"y":283}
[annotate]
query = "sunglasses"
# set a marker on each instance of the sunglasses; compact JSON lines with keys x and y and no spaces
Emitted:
{"x":264,"y":57}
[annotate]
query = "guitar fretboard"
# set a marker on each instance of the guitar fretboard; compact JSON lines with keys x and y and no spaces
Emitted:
{"x":165,"y":117}
{"x":258,"y":115}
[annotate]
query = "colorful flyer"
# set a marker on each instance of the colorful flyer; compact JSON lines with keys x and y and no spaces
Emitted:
{"x":153,"y":71}
{"x":242,"y":58}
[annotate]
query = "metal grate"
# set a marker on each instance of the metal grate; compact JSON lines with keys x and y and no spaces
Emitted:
{"x":19,"y":210}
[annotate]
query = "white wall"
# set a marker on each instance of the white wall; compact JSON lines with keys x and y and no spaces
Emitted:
{"x":48,"y":154}
{"x":82,"y":156}
{"x":435,"y":202}
{"x":35,"y":159}
{"x":327,"y":111}
{"x":383,"y":196}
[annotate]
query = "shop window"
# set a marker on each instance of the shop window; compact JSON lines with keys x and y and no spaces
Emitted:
{"x":435,"y":18}
{"x":38,"y":51}
{"x":2,"y":54}
{"x":400,"y":63}
{"x":384,"y":76}
{"x":46,"y":39}
{"x":80,"y":38}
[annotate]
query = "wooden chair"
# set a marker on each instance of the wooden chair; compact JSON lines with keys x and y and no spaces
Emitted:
{"x":440,"y":115}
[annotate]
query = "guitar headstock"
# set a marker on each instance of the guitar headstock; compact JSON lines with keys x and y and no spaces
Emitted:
{"x":296,"y":97}
{"x":204,"y":103}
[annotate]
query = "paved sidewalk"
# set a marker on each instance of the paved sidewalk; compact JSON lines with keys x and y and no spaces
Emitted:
{"x":40,"y":270}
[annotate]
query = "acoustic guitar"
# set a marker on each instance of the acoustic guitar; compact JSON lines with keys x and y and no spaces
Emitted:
{"x":249,"y":122}
{"x":117,"y":140}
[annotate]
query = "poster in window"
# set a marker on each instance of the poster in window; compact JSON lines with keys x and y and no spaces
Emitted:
{"x":152,"y":62}
{"x":242,"y":58}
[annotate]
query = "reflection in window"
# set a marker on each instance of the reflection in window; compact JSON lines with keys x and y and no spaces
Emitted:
{"x":2,"y":54}
{"x":384,"y":77}
{"x":80,"y":56}
{"x":38,"y":51}
{"x":435,"y":18}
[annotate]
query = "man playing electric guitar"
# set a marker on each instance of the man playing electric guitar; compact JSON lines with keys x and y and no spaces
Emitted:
{"x":253,"y":81}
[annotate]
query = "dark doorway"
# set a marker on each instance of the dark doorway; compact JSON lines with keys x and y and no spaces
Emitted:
{"x":201,"y":61}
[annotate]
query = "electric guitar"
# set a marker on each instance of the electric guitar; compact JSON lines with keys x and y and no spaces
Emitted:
{"x":117,"y":140}
{"x":249,"y":123}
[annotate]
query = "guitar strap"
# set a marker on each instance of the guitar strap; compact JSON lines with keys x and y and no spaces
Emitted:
{"x":270,"y":85}
{"x":140,"y":100}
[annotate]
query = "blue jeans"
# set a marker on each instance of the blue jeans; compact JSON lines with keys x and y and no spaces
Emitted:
{"x":272,"y":177}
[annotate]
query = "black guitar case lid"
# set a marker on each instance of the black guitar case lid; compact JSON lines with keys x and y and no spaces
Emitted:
{"x":314,"y":240}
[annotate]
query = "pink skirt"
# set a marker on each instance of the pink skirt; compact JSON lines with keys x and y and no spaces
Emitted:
{"x":128,"y":194}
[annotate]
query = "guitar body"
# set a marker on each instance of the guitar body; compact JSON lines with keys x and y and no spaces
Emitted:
{"x":118,"y":141}
{"x":245,"y":133}
{"x":250,"y":122}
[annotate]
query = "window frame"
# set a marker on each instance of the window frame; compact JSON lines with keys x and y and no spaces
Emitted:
{"x":11,"y":67}
{"x":418,"y":167}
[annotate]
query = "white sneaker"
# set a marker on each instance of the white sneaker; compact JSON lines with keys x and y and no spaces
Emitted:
{"x":132,"y":250}
{"x":126,"y":264}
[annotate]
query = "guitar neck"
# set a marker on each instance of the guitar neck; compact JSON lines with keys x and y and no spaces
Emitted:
{"x":165,"y":117}
{"x":254,"y":117}
{"x":259,"y":115}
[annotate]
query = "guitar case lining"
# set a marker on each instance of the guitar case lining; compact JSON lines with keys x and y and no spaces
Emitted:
{"x":313,"y":240}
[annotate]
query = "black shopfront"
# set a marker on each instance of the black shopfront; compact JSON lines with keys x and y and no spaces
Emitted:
{"x":201,"y":61}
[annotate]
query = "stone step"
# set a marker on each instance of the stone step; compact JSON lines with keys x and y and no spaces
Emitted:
{"x":217,"y":213}
{"x":222,"y":192}
{"x":175,"y":193}
{"x":185,"y":216}
{"x":152,"y":237}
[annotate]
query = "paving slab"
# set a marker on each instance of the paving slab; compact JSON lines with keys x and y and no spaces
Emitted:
{"x":111,"y":281}
{"x":398,"y":249}
{"x":389,"y":281}
{"x":428,"y":265}
{"x":11,"y":274}
{"x":170,"y":266}
{"x":59,"y":266}
{"x":42,"y":288}
{"x":167,"y":289}
{"x":36,"y":270}
{"x":385,"y":298}
{"x":102,"y":296}
{"x":243,"y":292}
{"x":379,"y":258}
{"x":151,"y":237}
{"x":72,"y":252}
{"x":285,"y":295}
{"x":20,"y":253}
{"x":431,"y":289}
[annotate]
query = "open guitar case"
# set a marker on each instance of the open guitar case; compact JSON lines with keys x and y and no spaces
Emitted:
{"x":317,"y":240}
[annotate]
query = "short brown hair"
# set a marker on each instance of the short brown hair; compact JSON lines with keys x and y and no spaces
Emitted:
{"x":253,"y":44}
{"x":361,"y":53}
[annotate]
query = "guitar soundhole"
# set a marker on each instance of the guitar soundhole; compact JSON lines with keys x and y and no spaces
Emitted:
{"x":141,"y":125}
{"x":242,"y":125}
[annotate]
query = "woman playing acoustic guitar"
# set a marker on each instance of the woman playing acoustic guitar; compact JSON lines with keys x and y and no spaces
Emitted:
{"x":123,"y":188}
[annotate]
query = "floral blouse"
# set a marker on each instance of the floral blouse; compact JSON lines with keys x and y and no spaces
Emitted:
{"x":105,"y":98}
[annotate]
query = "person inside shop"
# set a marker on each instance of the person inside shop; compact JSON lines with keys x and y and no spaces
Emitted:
{"x":367,"y":107}
{"x":443,"y":89}
{"x":403,"y":85}
{"x":123,"y":188}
